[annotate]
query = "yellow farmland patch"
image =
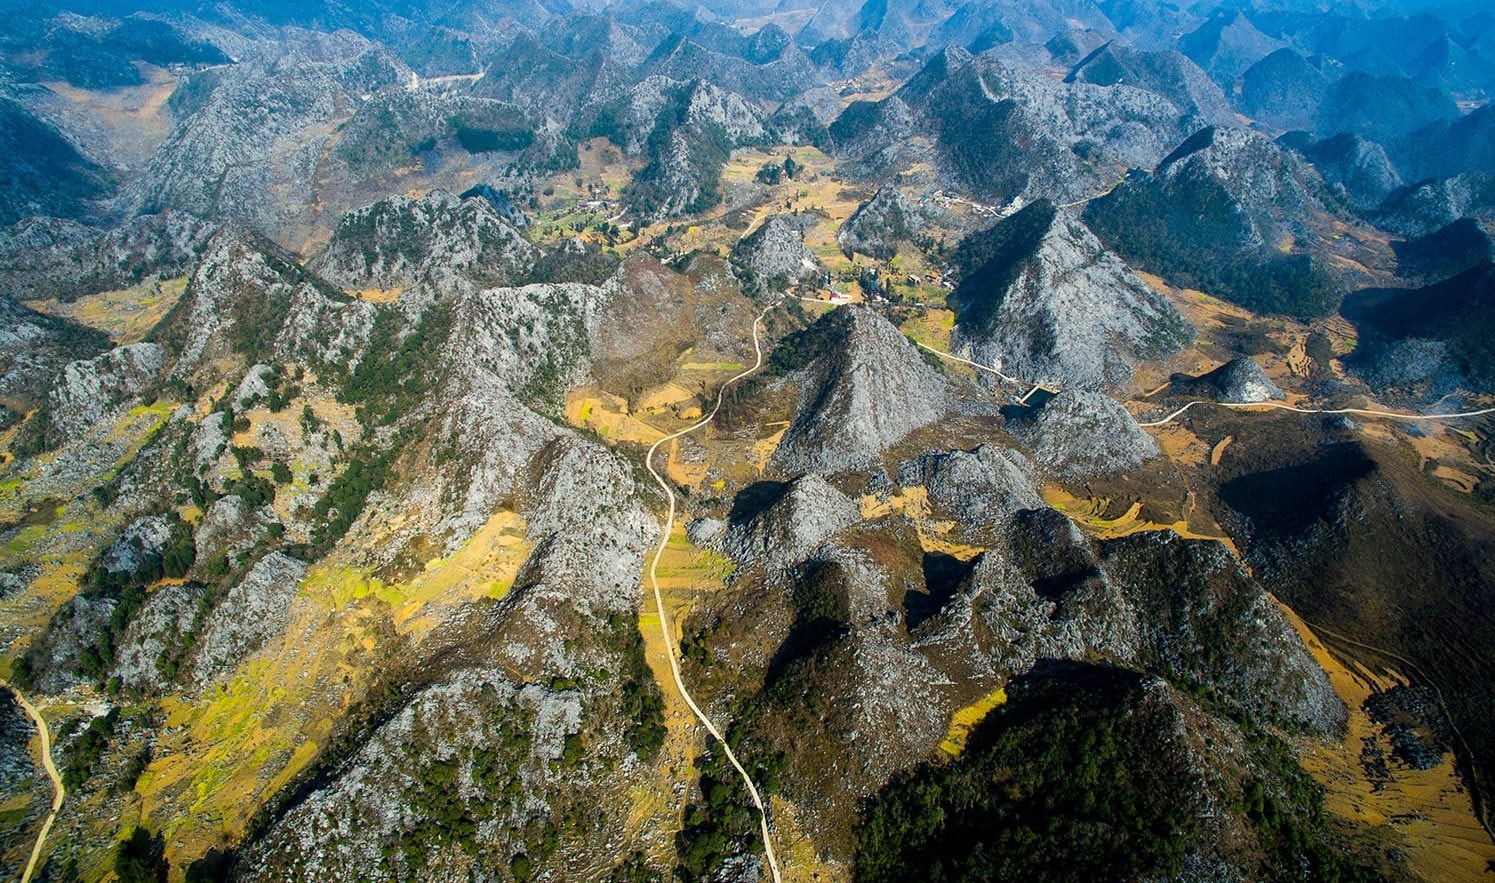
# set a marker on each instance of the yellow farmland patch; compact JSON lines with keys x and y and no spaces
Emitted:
{"x":126,"y":315}
{"x":964,"y":720}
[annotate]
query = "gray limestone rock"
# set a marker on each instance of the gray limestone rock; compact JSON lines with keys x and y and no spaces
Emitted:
{"x":92,"y":389}
{"x":867,"y":388}
{"x":1078,"y":434}
{"x":809,"y":511}
{"x":1044,"y":301}
{"x":1238,"y":380}
{"x":254,"y":610}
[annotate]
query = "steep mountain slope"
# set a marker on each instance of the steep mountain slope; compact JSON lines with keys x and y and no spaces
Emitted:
{"x":1436,"y":337}
{"x":1042,"y":299}
{"x":863,"y":389}
{"x":1227,"y":45}
{"x":41,"y":171}
{"x":1283,"y":90}
{"x":250,"y":151}
{"x":1170,"y":74}
{"x":1001,"y":133}
{"x":1359,"y":166}
{"x":399,"y":242}
{"x":1231,"y":212}
{"x":880,"y":224}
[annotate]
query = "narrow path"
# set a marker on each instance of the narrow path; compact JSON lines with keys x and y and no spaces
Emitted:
{"x":1368,"y":412}
{"x":1239,"y":406}
{"x":59,"y":792}
{"x":664,"y":618}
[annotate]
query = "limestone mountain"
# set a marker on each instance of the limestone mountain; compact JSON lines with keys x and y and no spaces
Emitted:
{"x":880,"y":224}
{"x":863,"y":388}
{"x":1264,"y":210}
{"x":1042,"y":299}
{"x":399,"y":242}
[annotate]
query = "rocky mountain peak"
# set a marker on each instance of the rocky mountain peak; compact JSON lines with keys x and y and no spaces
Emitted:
{"x":399,"y":242}
{"x":878,"y":225}
{"x":775,"y":254}
{"x":1238,"y":380}
{"x":866,"y":389}
{"x":1042,"y":298}
{"x":1080,"y":433}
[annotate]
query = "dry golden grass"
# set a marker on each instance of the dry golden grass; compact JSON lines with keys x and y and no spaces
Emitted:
{"x":964,"y":720}
{"x":1090,"y":514}
{"x":126,"y":315}
{"x":1428,"y":813}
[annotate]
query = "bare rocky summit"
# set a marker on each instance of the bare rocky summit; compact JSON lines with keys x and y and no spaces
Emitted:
{"x":1238,"y":380}
{"x":1079,"y":433}
{"x":1043,"y":300}
{"x":866,"y":389}
{"x":775,"y":255}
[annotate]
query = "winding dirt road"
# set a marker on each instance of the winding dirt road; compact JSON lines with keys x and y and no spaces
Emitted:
{"x":664,"y":618}
{"x":59,"y":792}
{"x":1239,"y":406}
{"x":1277,"y":406}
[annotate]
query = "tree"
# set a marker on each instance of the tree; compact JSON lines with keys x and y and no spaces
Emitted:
{"x":141,"y":858}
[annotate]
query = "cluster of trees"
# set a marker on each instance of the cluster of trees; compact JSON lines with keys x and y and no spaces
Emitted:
{"x":1079,"y":777}
{"x":84,"y":751}
{"x":642,"y":703}
{"x":367,"y":471}
{"x":720,"y":825}
{"x":773,"y":173}
{"x":398,"y":372}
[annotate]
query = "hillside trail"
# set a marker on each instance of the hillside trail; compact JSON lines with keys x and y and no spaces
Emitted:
{"x":664,"y":621}
{"x":59,"y":792}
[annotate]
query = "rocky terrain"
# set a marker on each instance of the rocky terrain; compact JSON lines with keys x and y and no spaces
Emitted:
{"x":1042,"y":299}
{"x":342,"y":345}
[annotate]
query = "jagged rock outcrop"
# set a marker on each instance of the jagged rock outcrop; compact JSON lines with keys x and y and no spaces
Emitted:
{"x":270,"y":113}
{"x":687,"y":129}
{"x":1238,"y":380}
{"x":1078,"y":433}
{"x":253,"y":611}
{"x":90,"y":390}
{"x":248,"y":301}
{"x":980,"y":489}
{"x":35,"y":348}
{"x":437,"y":240}
{"x":154,"y":635}
{"x":1002,"y":132}
{"x":809,"y":510}
{"x":878,"y":225}
{"x":1423,"y":208}
{"x":1047,"y":591}
{"x":864,"y":391}
{"x":1041,"y":299}
{"x":775,"y":256}
{"x":51,"y":257}
{"x":140,"y":538}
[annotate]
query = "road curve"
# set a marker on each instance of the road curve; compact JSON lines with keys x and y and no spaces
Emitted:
{"x":1240,"y":406}
{"x":59,"y":792}
{"x":664,"y":619}
{"x":1277,"y":406}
